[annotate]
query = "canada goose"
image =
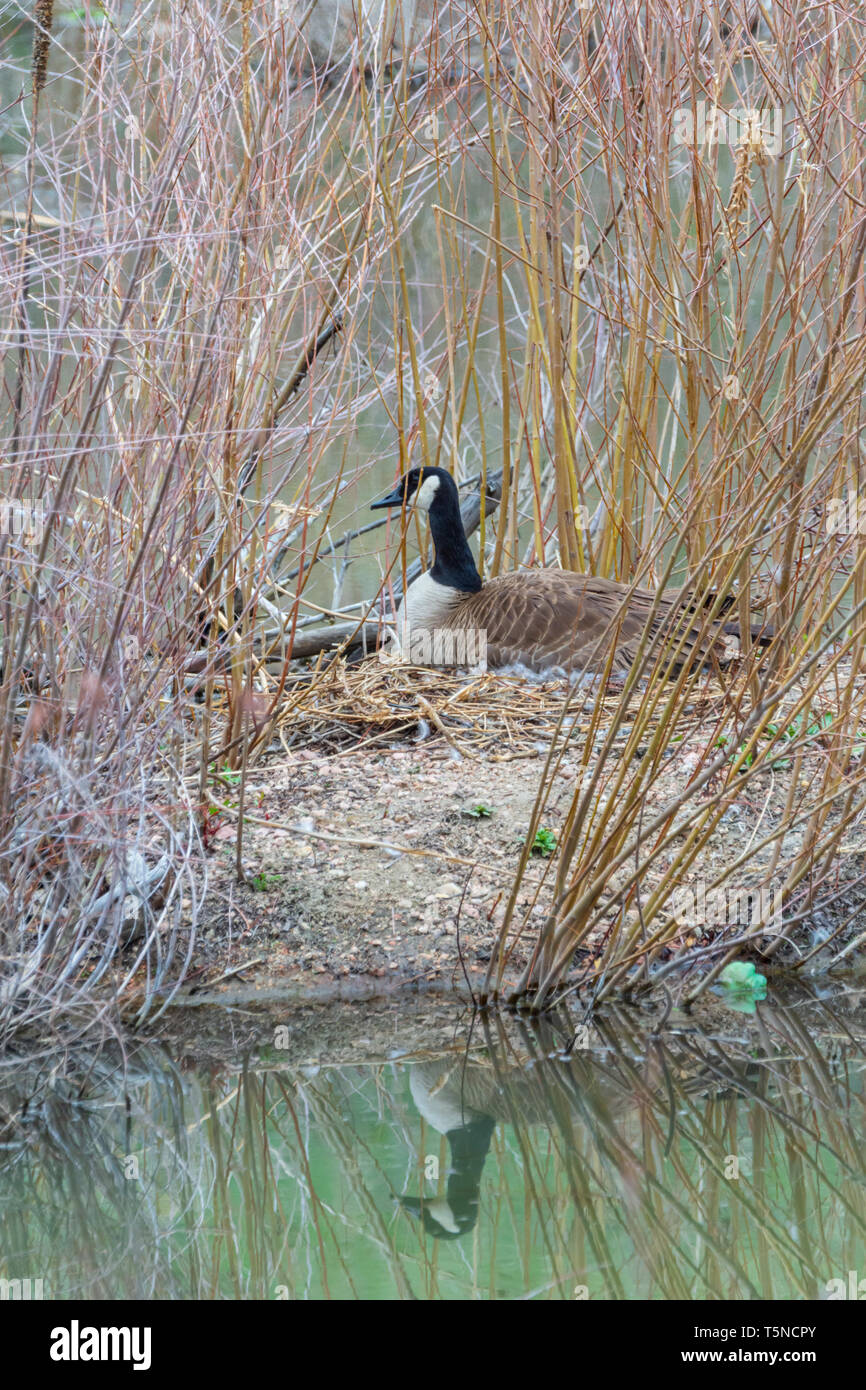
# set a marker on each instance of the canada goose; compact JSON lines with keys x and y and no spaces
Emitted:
{"x":545,"y":619}
{"x":465,"y":1100}
{"x":469,"y":1133}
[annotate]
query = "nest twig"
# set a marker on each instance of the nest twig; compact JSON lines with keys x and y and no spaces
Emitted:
{"x":373,"y":702}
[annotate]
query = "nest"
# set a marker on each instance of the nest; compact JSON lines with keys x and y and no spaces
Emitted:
{"x":374,"y":702}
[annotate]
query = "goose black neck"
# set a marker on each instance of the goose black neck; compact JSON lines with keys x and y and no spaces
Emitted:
{"x":453,"y":564}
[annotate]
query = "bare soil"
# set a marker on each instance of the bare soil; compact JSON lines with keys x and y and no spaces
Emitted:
{"x":363,"y":864}
{"x":368,"y":873}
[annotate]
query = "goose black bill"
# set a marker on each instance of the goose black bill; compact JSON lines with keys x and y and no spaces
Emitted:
{"x":394,"y":499}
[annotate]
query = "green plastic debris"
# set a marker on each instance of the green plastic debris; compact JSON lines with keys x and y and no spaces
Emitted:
{"x":744,"y":986}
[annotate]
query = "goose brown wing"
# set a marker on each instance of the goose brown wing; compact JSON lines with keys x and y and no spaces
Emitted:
{"x":552,"y":618}
{"x":542,"y":618}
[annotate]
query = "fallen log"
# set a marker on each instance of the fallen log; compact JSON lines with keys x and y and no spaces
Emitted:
{"x":324,"y":639}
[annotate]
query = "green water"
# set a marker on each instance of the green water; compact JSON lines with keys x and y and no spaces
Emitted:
{"x":709,"y":1162}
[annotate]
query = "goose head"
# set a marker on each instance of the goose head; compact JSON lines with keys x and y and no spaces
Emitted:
{"x":435,"y":492}
{"x":456,"y":1214}
{"x":431,"y":489}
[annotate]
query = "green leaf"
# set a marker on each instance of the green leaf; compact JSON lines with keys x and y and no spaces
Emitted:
{"x":262,"y":882}
{"x":544,"y":842}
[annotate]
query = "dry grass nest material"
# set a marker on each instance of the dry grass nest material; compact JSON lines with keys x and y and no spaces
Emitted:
{"x":500,"y":716}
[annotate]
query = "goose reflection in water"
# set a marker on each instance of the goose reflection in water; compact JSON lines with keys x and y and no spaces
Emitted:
{"x":442,"y":1093}
{"x":465,"y":1100}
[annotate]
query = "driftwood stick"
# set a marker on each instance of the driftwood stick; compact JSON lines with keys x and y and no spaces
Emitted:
{"x":323,"y":639}
{"x":308,"y":642}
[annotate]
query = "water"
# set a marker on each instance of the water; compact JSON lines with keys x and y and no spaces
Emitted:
{"x":724,"y":1159}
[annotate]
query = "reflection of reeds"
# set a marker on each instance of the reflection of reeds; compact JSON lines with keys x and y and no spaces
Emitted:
{"x":609,"y":1169}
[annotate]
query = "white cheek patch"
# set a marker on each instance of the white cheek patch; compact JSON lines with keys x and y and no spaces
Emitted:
{"x":426,"y":493}
{"x":442,"y":1212}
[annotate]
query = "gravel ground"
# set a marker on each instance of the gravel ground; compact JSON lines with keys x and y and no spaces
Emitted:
{"x":357,"y":865}
{"x":362,"y":865}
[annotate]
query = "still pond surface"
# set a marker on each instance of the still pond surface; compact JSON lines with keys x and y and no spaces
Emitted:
{"x":444,"y":1158}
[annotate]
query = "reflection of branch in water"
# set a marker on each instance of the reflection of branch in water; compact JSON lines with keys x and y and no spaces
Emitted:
{"x":588,"y":1107}
{"x":256,"y":1175}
